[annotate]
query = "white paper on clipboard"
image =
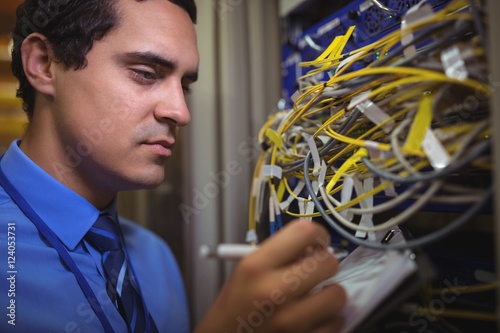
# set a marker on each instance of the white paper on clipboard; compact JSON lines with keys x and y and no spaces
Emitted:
{"x":369,"y":276}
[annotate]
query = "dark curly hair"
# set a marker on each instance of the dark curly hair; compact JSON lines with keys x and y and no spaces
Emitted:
{"x":71,"y":27}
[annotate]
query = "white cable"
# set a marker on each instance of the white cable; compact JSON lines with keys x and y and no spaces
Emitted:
{"x":386,"y":205}
{"x":395,"y":145}
{"x":419,"y":203}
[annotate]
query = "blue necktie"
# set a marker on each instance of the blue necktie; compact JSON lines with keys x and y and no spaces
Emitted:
{"x":120,"y":286}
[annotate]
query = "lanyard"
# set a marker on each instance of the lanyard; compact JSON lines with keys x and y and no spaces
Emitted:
{"x":63,"y":253}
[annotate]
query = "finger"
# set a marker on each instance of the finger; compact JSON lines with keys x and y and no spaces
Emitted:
{"x":301,"y":276}
{"x":312,"y":312}
{"x":291,"y":242}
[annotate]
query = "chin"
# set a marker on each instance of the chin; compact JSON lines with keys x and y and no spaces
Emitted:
{"x":150,"y":181}
{"x":149,"y":186}
{"x":141,"y":181}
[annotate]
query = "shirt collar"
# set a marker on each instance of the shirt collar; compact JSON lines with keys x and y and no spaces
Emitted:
{"x":64,"y":211}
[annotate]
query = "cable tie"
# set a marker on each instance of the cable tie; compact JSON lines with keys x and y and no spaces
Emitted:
{"x":417,"y":13}
{"x":314,"y":152}
{"x":275,"y":202}
{"x":272,"y":171}
{"x":309,"y":205}
{"x":302,"y":206}
{"x":366,"y":203}
{"x":359,"y":98}
{"x":346,"y":196}
{"x":322,"y":173}
{"x":296,"y":191}
{"x":347,"y":59}
{"x":373,"y":149}
{"x":309,"y":209}
{"x":376,"y":115}
{"x":251,"y":236}
{"x":257,"y":181}
{"x":390,"y":191}
{"x":377,"y":155}
{"x":295,"y":96}
{"x":436,"y":153}
{"x":454,"y":63}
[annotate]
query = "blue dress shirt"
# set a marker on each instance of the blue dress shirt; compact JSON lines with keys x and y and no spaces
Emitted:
{"x":38,"y":293}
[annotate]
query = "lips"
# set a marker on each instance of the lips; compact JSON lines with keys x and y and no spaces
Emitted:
{"x":161,"y":146}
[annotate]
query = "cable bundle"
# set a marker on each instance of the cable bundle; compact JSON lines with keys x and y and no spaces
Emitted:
{"x":402,"y":129}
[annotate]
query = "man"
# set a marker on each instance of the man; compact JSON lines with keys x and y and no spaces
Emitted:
{"x":103,"y":84}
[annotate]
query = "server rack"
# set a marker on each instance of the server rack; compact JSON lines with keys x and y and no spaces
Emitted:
{"x":309,"y":42}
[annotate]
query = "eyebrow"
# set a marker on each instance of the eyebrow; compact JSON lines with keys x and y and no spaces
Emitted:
{"x":155,"y":59}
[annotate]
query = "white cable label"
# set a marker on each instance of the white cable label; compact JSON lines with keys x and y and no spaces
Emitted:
{"x":314,"y":153}
{"x":417,"y":13}
{"x":251,"y":236}
{"x":375,"y":114}
{"x":359,"y":98}
{"x":285,"y":204}
{"x":272,"y":171}
{"x":367,"y":218}
{"x":346,"y":195}
{"x":436,"y":153}
{"x":454,"y":64}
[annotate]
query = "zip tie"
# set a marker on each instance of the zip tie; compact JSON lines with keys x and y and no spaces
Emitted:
{"x":367,"y":218}
{"x":309,"y":205}
{"x":302,"y":206}
{"x":375,"y":114}
{"x":322,"y":173}
{"x":272,"y":171}
{"x":346,"y":196}
{"x":276,"y":204}
{"x":251,"y":236}
{"x":359,"y":98}
{"x":454,"y":64}
{"x":314,"y":153}
{"x":285,"y":204}
{"x":256,"y":186}
{"x":417,"y":13}
{"x":436,"y":153}
{"x":390,"y":191}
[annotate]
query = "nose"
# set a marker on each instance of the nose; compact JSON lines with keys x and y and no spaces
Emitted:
{"x":171,"y":106}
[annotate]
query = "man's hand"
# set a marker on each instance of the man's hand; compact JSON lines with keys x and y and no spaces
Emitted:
{"x":269,"y":291}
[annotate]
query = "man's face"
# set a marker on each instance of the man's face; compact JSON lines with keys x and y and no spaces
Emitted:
{"x":118,"y":116}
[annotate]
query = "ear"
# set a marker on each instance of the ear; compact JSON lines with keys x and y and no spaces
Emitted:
{"x":38,"y":63}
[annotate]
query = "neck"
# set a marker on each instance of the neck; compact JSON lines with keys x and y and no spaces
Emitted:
{"x":45,"y":146}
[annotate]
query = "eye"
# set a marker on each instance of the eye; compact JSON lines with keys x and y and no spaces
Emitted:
{"x":187,"y":90}
{"x":144,"y":77}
